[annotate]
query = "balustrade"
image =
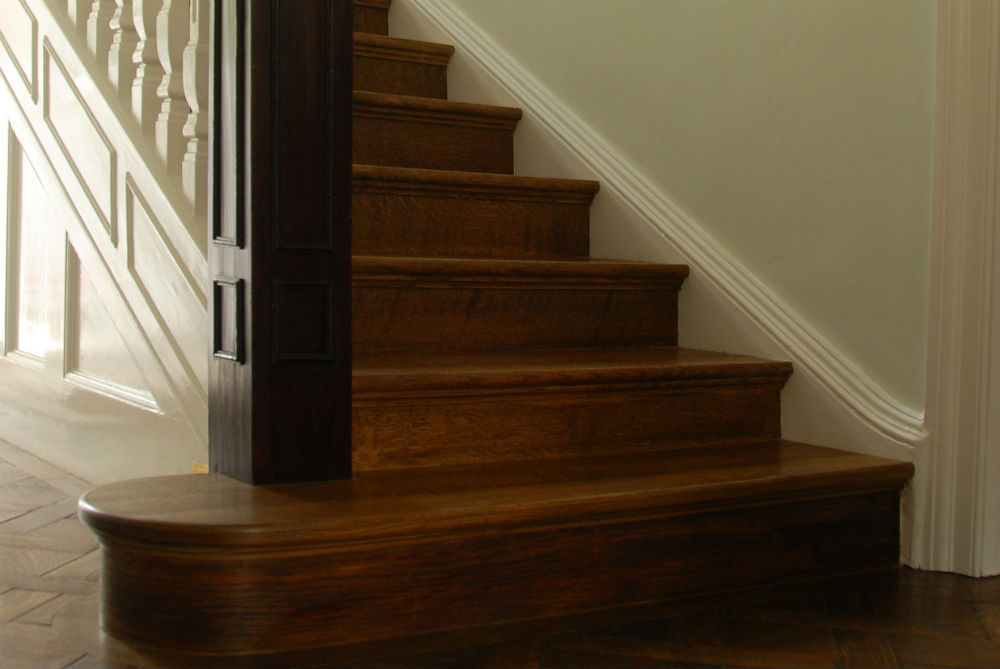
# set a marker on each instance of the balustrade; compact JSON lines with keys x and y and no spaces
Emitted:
{"x":155,"y":53}
{"x":172,"y":33}
{"x":194,"y":172}
{"x":121,"y":69}
{"x":148,"y":73}
{"x":99,"y":33}
{"x":79,"y":11}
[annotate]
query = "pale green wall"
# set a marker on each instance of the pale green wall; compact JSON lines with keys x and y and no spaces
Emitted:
{"x":798,"y":133}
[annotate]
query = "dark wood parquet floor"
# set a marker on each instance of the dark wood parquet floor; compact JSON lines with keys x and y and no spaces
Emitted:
{"x":50,"y":570}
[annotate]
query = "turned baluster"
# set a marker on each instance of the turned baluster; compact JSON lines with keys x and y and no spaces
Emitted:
{"x":194,"y":172}
{"x":121,"y":69}
{"x":148,"y":73}
{"x":171,"y":38}
{"x":79,"y":12}
{"x":99,"y":34}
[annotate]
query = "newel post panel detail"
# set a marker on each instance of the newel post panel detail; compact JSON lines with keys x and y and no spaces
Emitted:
{"x":279,"y":240}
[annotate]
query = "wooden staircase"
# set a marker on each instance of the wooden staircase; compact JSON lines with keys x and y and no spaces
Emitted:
{"x":530,"y":443}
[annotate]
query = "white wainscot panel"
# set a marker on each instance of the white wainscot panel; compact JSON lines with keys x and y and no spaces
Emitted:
{"x":19,"y":32}
{"x":85,"y":147}
{"x":5,"y":157}
{"x":97,"y":357}
{"x":40,"y":260}
{"x":167,"y":284}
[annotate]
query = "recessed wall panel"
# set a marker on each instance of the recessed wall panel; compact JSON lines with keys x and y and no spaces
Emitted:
{"x":5,"y":158}
{"x":86,"y":148}
{"x":101,"y":352}
{"x":40,"y":260}
{"x":19,"y":32}
{"x":164,"y":280}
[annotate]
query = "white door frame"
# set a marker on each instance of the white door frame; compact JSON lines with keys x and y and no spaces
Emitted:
{"x":957,"y":510}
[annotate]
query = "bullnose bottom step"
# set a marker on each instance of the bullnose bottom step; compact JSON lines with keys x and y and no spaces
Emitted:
{"x":397,"y":554}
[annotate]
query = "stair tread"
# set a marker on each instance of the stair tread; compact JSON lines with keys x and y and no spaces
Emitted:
{"x":370,"y":101}
{"x":400,"y":372}
{"x":496,"y":184}
{"x":520,"y":270}
{"x":215,"y":510}
{"x":403,"y":49}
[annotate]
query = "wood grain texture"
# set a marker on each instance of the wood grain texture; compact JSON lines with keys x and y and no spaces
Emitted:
{"x":414,"y":212}
{"x":531,"y":446}
{"x":282,"y":91}
{"x":398,"y":553}
{"x":844,"y":622}
{"x":403,"y":67}
{"x":422,"y":304}
{"x":371,"y":16}
{"x":429,"y":410}
{"x":405,"y":131}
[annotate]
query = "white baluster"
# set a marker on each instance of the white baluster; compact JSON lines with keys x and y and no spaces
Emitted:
{"x":99,"y":30}
{"x":121,"y":69}
{"x":148,"y":73}
{"x":171,"y":37}
{"x":79,"y":11}
{"x":196,"y":68}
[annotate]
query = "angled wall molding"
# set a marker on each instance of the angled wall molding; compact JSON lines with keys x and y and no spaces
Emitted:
{"x":808,"y":349}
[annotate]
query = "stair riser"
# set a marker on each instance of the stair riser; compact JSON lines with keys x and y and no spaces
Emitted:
{"x":446,"y":316}
{"x":455,"y":224}
{"x":400,"y":77}
{"x":417,"y":431}
{"x":371,"y":18}
{"x":430,"y":145}
{"x":339,"y":593}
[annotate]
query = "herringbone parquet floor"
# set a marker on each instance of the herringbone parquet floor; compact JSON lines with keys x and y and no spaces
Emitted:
{"x":49,"y":574}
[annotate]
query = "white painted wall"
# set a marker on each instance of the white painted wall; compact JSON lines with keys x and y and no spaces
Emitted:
{"x":103,"y":346}
{"x":797,"y":133}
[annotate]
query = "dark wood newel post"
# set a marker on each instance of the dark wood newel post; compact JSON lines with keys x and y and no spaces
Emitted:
{"x":279,"y":245}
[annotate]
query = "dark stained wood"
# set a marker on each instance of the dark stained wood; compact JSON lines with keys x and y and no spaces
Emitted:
{"x":371,"y":16}
{"x":279,"y":400}
{"x":405,"y":131}
{"x":428,"y":304}
{"x":415,"y":212}
{"x":400,"y":66}
{"x":399,"y":553}
{"x":424,"y":410}
{"x":531,"y":446}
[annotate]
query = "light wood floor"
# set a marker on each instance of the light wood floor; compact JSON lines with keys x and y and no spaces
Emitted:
{"x":50,"y":568}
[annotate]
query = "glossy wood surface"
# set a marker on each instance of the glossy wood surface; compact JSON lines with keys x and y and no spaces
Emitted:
{"x":398,"y":553}
{"x":530,"y":444}
{"x":400,"y":66}
{"x":279,"y":396}
{"x":417,"y":212}
{"x":435,"y":134}
{"x":430,"y":304}
{"x":372,"y":16}
{"x":49,"y":609}
{"x":414,"y":410}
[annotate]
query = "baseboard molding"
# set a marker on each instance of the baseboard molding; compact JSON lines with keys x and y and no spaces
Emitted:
{"x":804,"y":345}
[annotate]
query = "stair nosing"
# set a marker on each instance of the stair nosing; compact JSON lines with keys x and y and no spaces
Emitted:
{"x":407,"y":50}
{"x":518,"y":270}
{"x":377,"y":376}
{"x":482,"y":185}
{"x":370,"y":104}
{"x":428,"y":515}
